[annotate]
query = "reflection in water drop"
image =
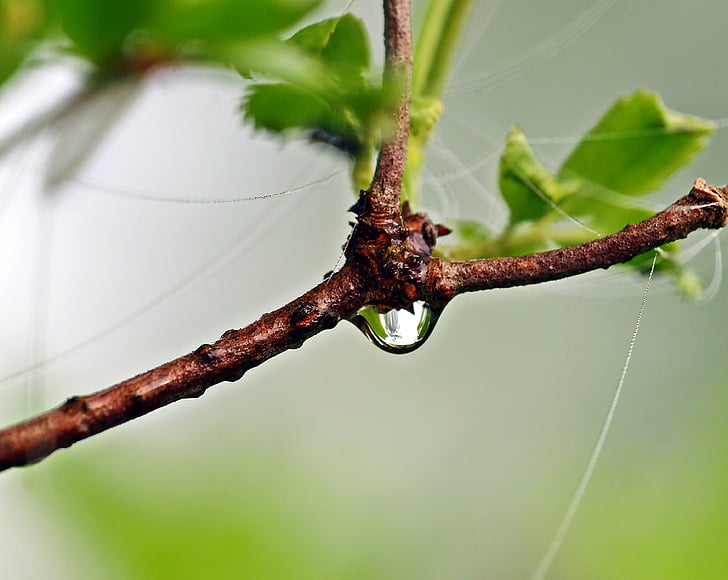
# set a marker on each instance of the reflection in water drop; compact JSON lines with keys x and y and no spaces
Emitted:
{"x":397,"y":330}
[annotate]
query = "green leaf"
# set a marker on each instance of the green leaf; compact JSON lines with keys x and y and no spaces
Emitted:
{"x":274,"y":58}
{"x":180,"y":21}
{"x":282,"y":107}
{"x":604,"y":216}
{"x":340,"y":43}
{"x":636,"y":146}
{"x":529,"y":188}
{"x":100,"y":29}
{"x":336,"y":105}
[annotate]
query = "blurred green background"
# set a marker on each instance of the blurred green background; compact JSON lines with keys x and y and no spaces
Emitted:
{"x":337,"y":460}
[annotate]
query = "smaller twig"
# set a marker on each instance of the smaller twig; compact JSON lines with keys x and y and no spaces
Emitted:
{"x":706,"y":206}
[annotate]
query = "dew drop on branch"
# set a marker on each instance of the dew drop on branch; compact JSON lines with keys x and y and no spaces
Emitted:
{"x":397,"y":331}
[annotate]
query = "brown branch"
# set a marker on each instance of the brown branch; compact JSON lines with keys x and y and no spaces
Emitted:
{"x":228,"y":359}
{"x":338,"y":298}
{"x":379,"y":207}
{"x":705,"y":206}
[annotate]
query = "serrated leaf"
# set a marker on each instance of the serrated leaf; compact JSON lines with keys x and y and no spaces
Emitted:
{"x":340,"y":43}
{"x":528,"y":188}
{"x":337,"y":106}
{"x":636,"y":145}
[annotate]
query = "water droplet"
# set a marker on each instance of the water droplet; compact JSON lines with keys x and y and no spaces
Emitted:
{"x":397,"y":330}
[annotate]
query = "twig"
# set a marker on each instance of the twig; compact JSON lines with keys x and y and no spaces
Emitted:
{"x":189,"y":376}
{"x":706,"y":206}
{"x":380,"y":205}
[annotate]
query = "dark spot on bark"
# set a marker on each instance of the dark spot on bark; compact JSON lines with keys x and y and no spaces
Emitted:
{"x":136,"y":404}
{"x":228,"y":332}
{"x":304,"y":315}
{"x":75,"y":403}
{"x":207,"y":353}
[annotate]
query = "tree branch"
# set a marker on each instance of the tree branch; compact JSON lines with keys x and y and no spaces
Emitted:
{"x":706,"y":206}
{"x":189,"y":376}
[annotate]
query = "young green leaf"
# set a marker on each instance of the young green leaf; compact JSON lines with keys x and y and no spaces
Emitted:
{"x":281,"y":107}
{"x":636,"y":146}
{"x":340,"y":43}
{"x":338,"y":105}
{"x":529,"y":188}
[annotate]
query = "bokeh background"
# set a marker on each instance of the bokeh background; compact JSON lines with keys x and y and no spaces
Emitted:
{"x":338,"y":460}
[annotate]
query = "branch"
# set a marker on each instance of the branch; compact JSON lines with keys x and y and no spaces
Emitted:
{"x":189,"y":376}
{"x":706,"y":206}
{"x":379,"y":207}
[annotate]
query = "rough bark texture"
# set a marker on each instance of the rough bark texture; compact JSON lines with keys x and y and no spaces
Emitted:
{"x":388,"y":264}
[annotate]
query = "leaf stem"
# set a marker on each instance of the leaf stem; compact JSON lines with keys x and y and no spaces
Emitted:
{"x":435,"y":47}
{"x":433,"y":58}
